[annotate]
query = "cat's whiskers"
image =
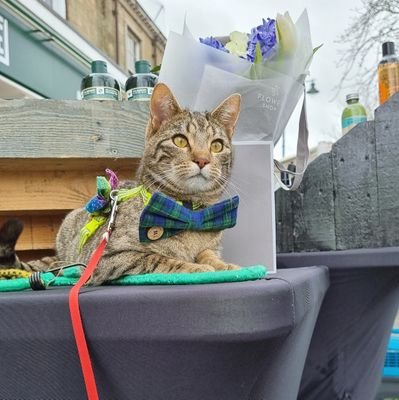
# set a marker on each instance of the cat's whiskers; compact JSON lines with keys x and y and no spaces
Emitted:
{"x":159,"y":180}
{"x":223,"y":186}
{"x":231,"y":189}
{"x":231,"y":184}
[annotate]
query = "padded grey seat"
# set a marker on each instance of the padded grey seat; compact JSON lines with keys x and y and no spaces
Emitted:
{"x":230,"y":341}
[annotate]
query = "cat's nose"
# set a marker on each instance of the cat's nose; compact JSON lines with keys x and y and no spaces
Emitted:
{"x":201,"y":162}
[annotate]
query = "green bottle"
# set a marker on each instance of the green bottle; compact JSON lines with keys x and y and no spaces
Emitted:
{"x":100,"y":85}
{"x":353,"y":114}
{"x":139,"y":86}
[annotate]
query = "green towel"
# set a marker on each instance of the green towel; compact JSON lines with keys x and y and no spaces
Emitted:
{"x":72,"y":274}
{"x":239,"y":275}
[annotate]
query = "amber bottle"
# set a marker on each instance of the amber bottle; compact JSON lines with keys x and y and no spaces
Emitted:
{"x":388,"y":72}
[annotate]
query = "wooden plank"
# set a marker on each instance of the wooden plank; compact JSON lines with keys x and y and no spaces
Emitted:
{"x":44,"y":231}
{"x":97,"y":165}
{"x":30,"y":190}
{"x":87,"y":129}
{"x":356,"y":188}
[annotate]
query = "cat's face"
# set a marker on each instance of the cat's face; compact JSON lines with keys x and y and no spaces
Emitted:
{"x":188,"y":155}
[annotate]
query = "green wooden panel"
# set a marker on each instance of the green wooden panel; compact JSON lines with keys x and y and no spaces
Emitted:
{"x":37,"y":63}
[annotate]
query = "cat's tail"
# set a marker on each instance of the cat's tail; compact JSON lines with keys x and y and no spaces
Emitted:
{"x":9,"y":234}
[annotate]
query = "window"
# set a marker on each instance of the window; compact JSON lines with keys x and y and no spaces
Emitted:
{"x":4,"y":51}
{"x":57,"y":6}
{"x":132,"y":50}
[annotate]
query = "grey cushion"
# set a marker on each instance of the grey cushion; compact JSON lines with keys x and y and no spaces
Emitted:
{"x":230,"y":341}
{"x":348,"y":347}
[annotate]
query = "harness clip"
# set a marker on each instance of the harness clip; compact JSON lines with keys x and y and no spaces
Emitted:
{"x":114,"y":209}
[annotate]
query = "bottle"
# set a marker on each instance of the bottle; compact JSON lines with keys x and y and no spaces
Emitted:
{"x":353,"y":114}
{"x":388,"y":72}
{"x":140,"y":85}
{"x":100,"y":85}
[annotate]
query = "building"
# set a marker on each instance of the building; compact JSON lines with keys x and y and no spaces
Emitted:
{"x":120,"y":28}
{"x":46,"y":46}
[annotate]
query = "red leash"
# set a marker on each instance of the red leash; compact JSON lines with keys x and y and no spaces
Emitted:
{"x":76,"y":318}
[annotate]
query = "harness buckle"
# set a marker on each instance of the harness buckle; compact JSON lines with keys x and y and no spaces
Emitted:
{"x":114,"y":209}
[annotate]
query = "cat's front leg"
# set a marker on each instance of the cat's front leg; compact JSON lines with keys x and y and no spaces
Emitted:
{"x":114,"y":265}
{"x":210,"y":258}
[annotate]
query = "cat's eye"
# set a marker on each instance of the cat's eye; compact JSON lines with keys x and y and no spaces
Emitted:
{"x":216,"y":146}
{"x":180,"y":141}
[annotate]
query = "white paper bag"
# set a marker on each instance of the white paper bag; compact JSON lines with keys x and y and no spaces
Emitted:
{"x":253,"y":240}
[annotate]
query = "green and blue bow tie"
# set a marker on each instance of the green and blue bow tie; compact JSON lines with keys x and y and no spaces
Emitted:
{"x":168,"y":218}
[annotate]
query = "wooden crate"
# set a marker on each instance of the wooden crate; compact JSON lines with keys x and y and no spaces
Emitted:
{"x":50,"y":154}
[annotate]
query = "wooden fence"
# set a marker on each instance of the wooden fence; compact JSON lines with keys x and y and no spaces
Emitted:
{"x":50,"y":153}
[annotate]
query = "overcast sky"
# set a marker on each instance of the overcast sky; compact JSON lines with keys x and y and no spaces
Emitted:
{"x":328,"y":19}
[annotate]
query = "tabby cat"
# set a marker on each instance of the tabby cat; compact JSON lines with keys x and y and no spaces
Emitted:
{"x":9,"y":234}
{"x":188,"y":157}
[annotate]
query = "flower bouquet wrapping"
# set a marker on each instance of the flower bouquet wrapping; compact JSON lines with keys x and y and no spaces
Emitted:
{"x":267,"y":67}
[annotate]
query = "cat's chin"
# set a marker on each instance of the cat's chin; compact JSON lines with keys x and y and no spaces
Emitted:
{"x":198,"y":184}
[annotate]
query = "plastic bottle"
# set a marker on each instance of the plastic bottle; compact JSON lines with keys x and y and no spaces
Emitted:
{"x":100,"y":85}
{"x":139,"y":86}
{"x":353,"y":114}
{"x":388,"y":72}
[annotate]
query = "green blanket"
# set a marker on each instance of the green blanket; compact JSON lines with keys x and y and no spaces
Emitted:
{"x":72,"y":274}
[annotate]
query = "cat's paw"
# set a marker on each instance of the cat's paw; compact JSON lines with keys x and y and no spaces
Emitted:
{"x":198,"y":268}
{"x":226,"y":267}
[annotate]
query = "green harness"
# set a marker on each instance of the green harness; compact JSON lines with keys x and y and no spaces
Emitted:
{"x":97,"y":219}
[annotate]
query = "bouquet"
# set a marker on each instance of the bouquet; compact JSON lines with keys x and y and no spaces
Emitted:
{"x":267,"y":66}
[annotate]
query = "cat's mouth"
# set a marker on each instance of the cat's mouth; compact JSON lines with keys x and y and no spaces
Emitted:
{"x":200,"y":177}
{"x":198,"y":182}
{"x":202,"y":174}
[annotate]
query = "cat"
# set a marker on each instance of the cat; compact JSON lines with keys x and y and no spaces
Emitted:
{"x":187,"y":156}
{"x":9,"y":234}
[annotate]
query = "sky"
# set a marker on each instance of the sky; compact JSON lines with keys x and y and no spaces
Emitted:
{"x":328,"y":19}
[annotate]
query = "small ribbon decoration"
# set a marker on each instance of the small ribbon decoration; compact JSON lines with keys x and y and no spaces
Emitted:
{"x":99,"y":203}
{"x":104,"y":187}
{"x":172,"y":217}
{"x":99,"y":206}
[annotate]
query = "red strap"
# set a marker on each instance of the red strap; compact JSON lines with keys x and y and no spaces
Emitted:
{"x":77,"y":325}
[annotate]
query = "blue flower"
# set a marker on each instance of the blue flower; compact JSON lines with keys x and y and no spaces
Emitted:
{"x":211,"y":41}
{"x":265,"y":34}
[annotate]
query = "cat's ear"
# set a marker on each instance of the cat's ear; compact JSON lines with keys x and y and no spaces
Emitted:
{"x":163,"y":106}
{"x":227,"y":112}
{"x":10,"y":231}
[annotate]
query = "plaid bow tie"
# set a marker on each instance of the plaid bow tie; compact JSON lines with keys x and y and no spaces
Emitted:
{"x":164,"y":217}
